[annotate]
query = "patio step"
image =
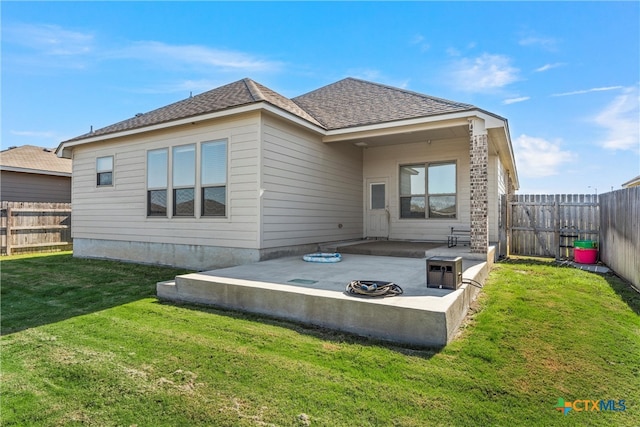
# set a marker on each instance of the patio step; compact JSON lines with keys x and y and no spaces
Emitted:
{"x":167,"y":289}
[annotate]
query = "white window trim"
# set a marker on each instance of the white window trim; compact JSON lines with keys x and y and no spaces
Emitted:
{"x":98,"y":172}
{"x":197,"y":187}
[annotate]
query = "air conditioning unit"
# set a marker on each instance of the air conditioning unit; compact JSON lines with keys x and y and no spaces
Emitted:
{"x":444,"y":272}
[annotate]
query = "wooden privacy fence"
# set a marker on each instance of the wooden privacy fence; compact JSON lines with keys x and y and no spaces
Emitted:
{"x":620,"y":232}
{"x":547,"y":225}
{"x":32,"y":227}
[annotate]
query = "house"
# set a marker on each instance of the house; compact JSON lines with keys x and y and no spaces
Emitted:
{"x":34,"y":174}
{"x":241,"y":173}
{"x":634,"y":182}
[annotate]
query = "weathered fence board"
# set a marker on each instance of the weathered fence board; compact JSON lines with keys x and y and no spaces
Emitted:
{"x":547,"y":225}
{"x":30,"y":227}
{"x":620,"y":232}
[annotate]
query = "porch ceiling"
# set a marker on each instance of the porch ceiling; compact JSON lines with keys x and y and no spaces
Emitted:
{"x":409,"y":137}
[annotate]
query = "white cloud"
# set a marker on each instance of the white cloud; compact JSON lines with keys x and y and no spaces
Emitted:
{"x":547,"y":43}
{"x":365,"y":74}
{"x":547,"y":67}
{"x":621,"y":119}
{"x":583,"y":91}
{"x":196,"y":55}
{"x":483,"y":73}
{"x":33,"y":133}
{"x":537,"y":157}
{"x":50,"y":39}
{"x":419,"y":40}
{"x":50,"y":42}
{"x":515,"y":100}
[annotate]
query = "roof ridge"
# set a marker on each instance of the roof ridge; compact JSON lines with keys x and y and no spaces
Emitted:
{"x":254,"y":90}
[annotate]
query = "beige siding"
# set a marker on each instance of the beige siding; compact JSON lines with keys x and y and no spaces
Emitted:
{"x":119,"y":212}
{"x":384,"y":162}
{"x":312,"y":191}
{"x":494,"y":196}
{"x":30,"y":187}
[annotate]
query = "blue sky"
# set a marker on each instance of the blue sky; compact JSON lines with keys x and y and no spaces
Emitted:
{"x":565,"y":74}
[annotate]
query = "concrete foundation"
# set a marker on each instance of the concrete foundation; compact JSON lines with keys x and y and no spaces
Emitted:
{"x":193,"y":257}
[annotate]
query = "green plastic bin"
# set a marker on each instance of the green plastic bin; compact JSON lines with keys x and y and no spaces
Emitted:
{"x":585,"y":244}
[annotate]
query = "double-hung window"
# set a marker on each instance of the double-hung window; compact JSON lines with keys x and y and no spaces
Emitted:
{"x":104,"y":171}
{"x":213,"y":179}
{"x":184,"y":180}
{"x":428,"y":191}
{"x":157,"y":167}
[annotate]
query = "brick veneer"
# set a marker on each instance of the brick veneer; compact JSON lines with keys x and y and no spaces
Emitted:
{"x":479,"y":174}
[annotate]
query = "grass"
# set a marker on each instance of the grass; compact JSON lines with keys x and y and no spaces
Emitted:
{"x":86,"y":343}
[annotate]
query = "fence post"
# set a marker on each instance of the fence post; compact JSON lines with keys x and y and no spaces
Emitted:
{"x":556,"y":226}
{"x":8,"y":232}
{"x":509,"y":223}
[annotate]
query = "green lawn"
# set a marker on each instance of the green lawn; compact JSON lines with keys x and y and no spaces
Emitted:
{"x":86,"y":343}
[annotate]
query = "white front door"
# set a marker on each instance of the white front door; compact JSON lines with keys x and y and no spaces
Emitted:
{"x":377,"y":209}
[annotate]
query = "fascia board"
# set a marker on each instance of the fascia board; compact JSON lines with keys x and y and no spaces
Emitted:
{"x":293,"y":118}
{"x":60,"y":151}
{"x":34,"y":171}
{"x":505,"y":151}
{"x":410,"y":125}
{"x":491,"y":121}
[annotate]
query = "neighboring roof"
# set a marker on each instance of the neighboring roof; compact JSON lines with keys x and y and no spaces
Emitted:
{"x":31,"y":159}
{"x":242,"y":92}
{"x":347,"y":103}
{"x":632,"y":182}
{"x":352,"y":102}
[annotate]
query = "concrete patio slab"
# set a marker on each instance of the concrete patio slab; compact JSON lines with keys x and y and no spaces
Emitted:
{"x":314,"y":293}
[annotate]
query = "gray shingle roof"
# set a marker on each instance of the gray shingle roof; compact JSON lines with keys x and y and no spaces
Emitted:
{"x":352,"y":102}
{"x":237,"y":94}
{"x":346,"y":103}
{"x":34,"y":158}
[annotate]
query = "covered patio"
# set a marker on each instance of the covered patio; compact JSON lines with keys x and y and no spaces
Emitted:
{"x":314,"y":293}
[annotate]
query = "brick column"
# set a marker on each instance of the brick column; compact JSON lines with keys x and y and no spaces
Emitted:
{"x":479,"y":174}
